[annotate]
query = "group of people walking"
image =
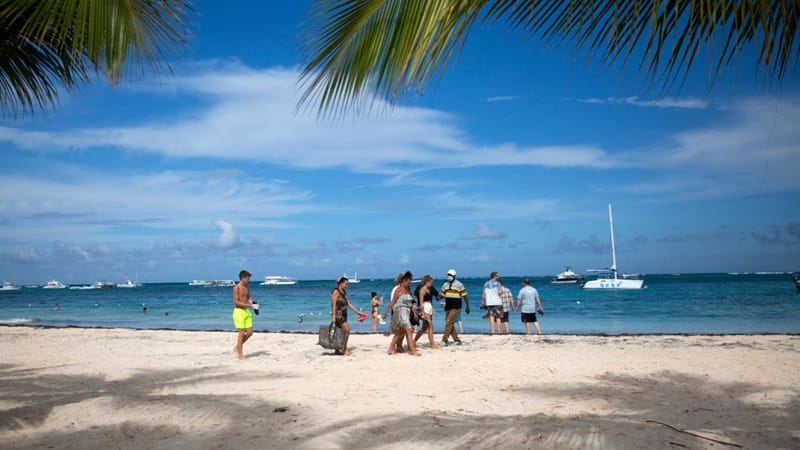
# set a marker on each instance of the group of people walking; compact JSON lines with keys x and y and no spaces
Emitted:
{"x":410,"y":310}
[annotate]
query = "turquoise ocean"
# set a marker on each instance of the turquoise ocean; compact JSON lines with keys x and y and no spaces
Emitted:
{"x":757,"y":303}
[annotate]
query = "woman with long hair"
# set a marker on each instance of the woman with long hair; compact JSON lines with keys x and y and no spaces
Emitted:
{"x":402,"y":302}
{"x":340,"y":302}
{"x":425,"y":297}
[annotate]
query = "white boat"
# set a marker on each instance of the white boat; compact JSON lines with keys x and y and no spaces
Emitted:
{"x":353,"y":280}
{"x":54,"y":284}
{"x":129,"y":284}
{"x":9,"y":286}
{"x":567,"y":277}
{"x":278,"y":280}
{"x":199,"y":283}
{"x":220,"y":283}
{"x":612,"y":281}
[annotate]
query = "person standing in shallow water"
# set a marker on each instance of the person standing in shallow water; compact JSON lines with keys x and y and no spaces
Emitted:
{"x":340,"y":302}
{"x":242,"y":318}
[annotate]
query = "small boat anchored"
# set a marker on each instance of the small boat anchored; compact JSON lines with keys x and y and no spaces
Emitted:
{"x":54,"y":284}
{"x":567,"y":277}
{"x":9,"y":286}
{"x":278,"y":280}
{"x":612,"y":281}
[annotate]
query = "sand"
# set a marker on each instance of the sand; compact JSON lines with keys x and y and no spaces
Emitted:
{"x":119,"y":388}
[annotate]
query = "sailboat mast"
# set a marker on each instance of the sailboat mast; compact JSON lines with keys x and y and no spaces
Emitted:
{"x":613,"y":250}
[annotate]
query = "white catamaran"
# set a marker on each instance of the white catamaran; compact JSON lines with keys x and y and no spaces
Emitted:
{"x":612,"y":282}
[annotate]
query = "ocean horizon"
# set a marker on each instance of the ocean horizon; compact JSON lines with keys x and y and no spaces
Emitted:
{"x":714,"y":303}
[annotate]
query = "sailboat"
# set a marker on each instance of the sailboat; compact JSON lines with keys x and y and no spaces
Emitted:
{"x":612,"y":282}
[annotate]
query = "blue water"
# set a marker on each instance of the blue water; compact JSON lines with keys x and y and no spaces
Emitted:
{"x":680,"y":304}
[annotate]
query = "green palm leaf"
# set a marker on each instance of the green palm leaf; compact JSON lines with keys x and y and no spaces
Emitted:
{"x":49,"y":45}
{"x":361,"y":49}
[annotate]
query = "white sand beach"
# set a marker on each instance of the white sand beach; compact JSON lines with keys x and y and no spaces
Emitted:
{"x":118,"y":388}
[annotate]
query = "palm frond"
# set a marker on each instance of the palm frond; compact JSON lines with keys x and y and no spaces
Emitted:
{"x":361,"y":49}
{"x":53,"y":44}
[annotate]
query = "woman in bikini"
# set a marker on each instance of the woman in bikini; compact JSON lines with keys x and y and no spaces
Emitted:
{"x":340,"y":302}
{"x":425,"y":297}
{"x":375,"y":303}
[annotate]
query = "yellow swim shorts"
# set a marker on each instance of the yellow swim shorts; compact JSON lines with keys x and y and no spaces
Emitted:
{"x":242,"y":318}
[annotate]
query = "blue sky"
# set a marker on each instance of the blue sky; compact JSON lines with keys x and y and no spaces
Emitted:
{"x":507,"y":163}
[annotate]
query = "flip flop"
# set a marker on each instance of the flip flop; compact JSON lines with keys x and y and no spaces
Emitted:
{"x":362,"y":317}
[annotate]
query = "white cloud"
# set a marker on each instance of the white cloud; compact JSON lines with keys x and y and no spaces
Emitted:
{"x":228,"y":237}
{"x":251,"y":115}
{"x":672,"y":103}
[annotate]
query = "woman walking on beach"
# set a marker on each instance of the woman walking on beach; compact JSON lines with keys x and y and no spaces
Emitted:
{"x":402,"y":301}
{"x":340,"y":302}
{"x":425,"y":296}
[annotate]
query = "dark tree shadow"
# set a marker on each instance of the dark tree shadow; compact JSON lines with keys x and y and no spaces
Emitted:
{"x":738,"y":413}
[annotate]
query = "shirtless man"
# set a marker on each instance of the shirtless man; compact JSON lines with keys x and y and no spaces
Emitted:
{"x":242,"y":317}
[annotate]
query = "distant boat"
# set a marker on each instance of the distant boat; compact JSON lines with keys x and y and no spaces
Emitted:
{"x":54,"y":284}
{"x":129,"y":284}
{"x":220,"y":283}
{"x":9,"y":286}
{"x":199,"y":283}
{"x":353,"y":280}
{"x":612,"y":282}
{"x":278,"y":280}
{"x":567,"y":277}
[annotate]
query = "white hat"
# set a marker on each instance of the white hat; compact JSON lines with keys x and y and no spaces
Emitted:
{"x":452,"y":272}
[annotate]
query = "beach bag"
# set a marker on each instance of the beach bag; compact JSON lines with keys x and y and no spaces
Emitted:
{"x":331,"y":337}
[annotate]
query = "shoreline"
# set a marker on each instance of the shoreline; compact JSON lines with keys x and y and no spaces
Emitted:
{"x":132,"y":388}
{"x":366,"y":333}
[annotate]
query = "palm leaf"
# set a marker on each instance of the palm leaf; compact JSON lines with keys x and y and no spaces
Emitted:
{"x":362,"y":49}
{"x":50,"y":45}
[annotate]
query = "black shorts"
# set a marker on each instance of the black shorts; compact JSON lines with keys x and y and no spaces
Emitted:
{"x":504,"y":319}
{"x":528,"y":317}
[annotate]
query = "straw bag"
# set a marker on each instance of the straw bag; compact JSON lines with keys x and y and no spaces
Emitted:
{"x":331,"y":337}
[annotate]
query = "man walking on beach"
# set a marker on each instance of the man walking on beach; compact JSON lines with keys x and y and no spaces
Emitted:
{"x":508,"y":304}
{"x":453,"y":292}
{"x":491,"y":298}
{"x":528,"y":298}
{"x":242,"y":318}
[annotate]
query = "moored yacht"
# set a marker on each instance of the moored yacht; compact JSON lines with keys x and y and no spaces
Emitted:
{"x":567,"y":277}
{"x":278,"y":280}
{"x":129,"y":284}
{"x":605,"y":281}
{"x":54,"y":284}
{"x":9,"y":286}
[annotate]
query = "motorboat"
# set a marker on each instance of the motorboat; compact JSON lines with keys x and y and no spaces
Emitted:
{"x":220,"y":283}
{"x":103,"y":285}
{"x":199,"y":283}
{"x":9,"y":286}
{"x":567,"y":277}
{"x":608,"y":278}
{"x":54,"y":284}
{"x":129,"y":284}
{"x":278,"y":280}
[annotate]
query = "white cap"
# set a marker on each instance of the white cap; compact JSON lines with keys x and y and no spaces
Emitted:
{"x":452,"y":272}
